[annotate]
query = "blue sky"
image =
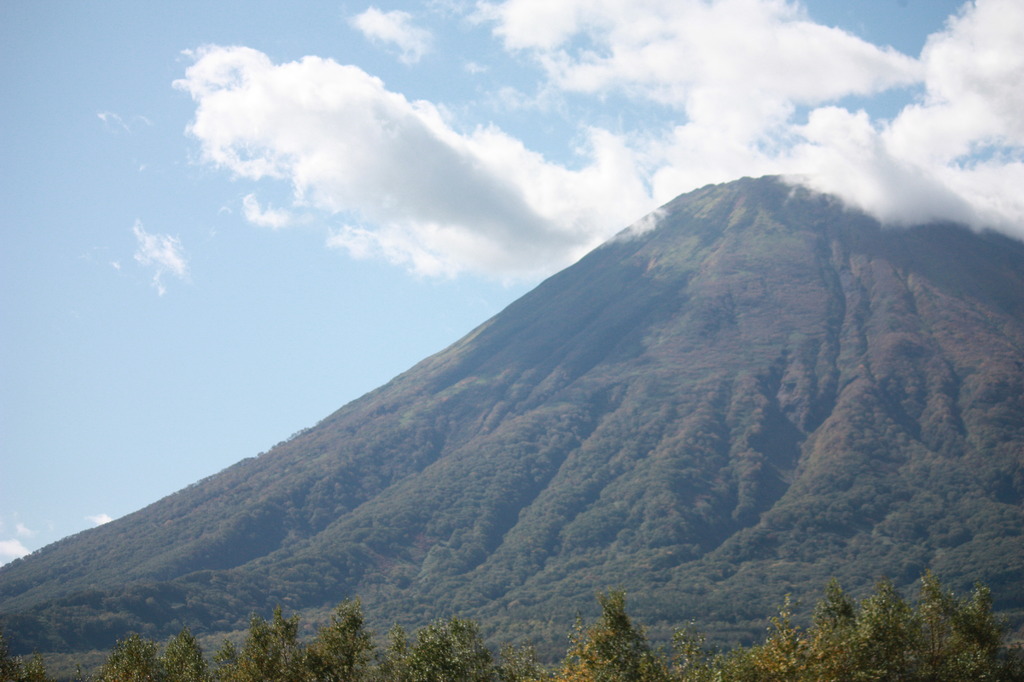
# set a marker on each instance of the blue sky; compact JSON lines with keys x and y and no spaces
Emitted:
{"x":225,"y":220}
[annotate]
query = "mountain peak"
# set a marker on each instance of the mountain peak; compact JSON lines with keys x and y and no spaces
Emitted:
{"x":750,"y":391}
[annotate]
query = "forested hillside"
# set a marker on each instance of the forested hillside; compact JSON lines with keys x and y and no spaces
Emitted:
{"x":762,"y":391}
{"x":939,"y":636}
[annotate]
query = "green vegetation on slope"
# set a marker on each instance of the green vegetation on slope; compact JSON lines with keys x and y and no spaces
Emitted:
{"x":882,"y":637}
{"x":764,"y":391}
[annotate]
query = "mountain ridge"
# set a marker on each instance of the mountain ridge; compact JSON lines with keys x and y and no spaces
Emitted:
{"x":763,"y":390}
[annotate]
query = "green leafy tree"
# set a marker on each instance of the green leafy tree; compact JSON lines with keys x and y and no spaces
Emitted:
{"x":941,"y":638}
{"x":15,"y":669}
{"x":612,"y":649}
{"x":450,"y":651}
{"x":961,"y":637}
{"x":34,"y":670}
{"x":227,"y":657}
{"x":183,"y":659}
{"x":885,"y":642}
{"x":343,"y":649}
{"x":395,"y":662}
{"x":10,"y":667}
{"x":271,"y":651}
{"x":692,"y":661}
{"x":835,"y":622}
{"x":784,"y":655}
{"x":519,"y":664}
{"x":133,"y":659}
{"x":938,"y":638}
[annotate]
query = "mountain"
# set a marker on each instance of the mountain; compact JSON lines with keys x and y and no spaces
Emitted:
{"x":761,"y":391}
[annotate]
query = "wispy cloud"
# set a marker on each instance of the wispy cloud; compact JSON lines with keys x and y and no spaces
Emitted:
{"x":99,"y":519}
{"x":161,"y":252}
{"x":264,"y":217}
{"x":394,"y":28}
{"x":117,"y":122}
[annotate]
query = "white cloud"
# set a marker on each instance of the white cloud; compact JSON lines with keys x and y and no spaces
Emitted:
{"x":264,"y":217}
{"x":739,"y":70}
{"x":974,"y":78}
{"x":23,"y":531}
{"x":394,"y":28}
{"x":956,"y":154}
{"x":692,"y":52}
{"x":412,"y":188}
{"x":735,"y":70}
{"x":844,"y":153}
{"x":755,"y":86}
{"x":163,"y":253}
{"x":99,"y":519}
{"x":12,"y":549}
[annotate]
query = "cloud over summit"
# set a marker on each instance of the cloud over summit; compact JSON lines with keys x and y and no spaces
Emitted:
{"x":955,"y":153}
{"x":752,"y":87}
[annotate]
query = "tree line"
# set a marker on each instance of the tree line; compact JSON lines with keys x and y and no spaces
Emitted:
{"x":938,"y":637}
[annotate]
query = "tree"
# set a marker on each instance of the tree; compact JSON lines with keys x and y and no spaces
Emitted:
{"x":183,"y":659}
{"x":133,"y":659}
{"x":691,"y":660}
{"x":343,"y":649}
{"x":394,"y":664}
{"x":10,"y":667}
{"x":14,"y":669}
{"x":961,"y":637}
{"x":783,"y":656}
{"x":450,"y":651}
{"x":940,"y":638}
{"x":835,"y":621}
{"x":886,"y":638}
{"x":271,"y":651}
{"x":612,"y":649}
{"x":34,"y":670}
{"x":519,"y":664}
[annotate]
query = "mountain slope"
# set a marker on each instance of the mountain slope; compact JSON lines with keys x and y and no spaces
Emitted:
{"x":763,"y":391}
